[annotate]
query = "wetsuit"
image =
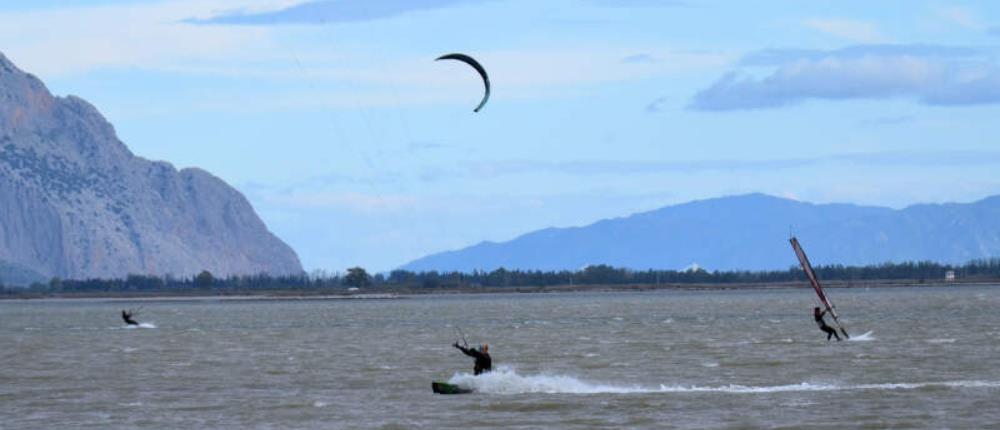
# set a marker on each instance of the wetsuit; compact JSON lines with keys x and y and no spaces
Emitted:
{"x":483,"y":361}
{"x":830,"y":332}
{"x":127,"y":316}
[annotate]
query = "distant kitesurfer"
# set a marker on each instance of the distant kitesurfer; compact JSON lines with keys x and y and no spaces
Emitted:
{"x":482,"y":355}
{"x":830,"y":332}
{"x":127,"y":316}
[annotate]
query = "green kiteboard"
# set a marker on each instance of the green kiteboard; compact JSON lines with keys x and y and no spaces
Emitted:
{"x":446,"y":388}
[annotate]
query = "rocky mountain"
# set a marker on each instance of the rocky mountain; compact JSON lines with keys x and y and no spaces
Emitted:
{"x":747,"y":232}
{"x":76,"y":203}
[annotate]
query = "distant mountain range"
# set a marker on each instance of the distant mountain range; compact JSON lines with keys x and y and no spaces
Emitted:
{"x":747,"y":232}
{"x":76,"y":203}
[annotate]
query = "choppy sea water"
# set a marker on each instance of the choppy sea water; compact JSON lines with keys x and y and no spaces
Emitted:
{"x":919,"y":358}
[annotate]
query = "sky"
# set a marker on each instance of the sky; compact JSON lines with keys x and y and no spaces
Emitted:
{"x":357,"y":148}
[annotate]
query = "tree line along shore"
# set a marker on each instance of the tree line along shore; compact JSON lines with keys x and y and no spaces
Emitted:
{"x":357,"y":280}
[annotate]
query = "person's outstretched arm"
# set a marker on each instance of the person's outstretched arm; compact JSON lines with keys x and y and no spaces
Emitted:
{"x":467,"y":351}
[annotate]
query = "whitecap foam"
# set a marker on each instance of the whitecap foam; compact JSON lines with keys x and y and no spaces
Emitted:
{"x":943,"y":340}
{"x":745,"y":389}
{"x":505,"y":380}
{"x":141,"y":325}
{"x":806,"y":386}
{"x":867,"y":337}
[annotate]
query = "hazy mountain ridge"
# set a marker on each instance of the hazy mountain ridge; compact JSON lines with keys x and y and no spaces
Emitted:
{"x":76,"y":203}
{"x":747,"y":232}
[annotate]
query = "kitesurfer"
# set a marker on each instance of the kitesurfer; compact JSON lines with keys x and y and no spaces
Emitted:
{"x":482,"y":355}
{"x":127,"y":316}
{"x":830,"y":332}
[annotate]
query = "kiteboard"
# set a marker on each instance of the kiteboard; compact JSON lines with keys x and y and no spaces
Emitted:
{"x":446,"y":388}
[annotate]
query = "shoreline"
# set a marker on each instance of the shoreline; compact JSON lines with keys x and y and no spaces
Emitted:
{"x":393,"y":293}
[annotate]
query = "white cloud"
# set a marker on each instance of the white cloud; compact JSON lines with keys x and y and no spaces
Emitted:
{"x":352,"y":79}
{"x":155,"y":37}
{"x":64,"y":41}
{"x":618,"y":168}
{"x":931,"y":75}
{"x":962,"y":17}
{"x":320,"y":12}
{"x":854,"y":31}
{"x":60,"y":42}
{"x":343,"y":200}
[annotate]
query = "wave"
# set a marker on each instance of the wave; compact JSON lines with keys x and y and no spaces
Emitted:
{"x":141,"y":325}
{"x":867,"y":337}
{"x":505,"y":380}
{"x":805,"y":386}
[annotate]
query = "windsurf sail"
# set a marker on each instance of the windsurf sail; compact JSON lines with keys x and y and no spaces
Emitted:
{"x":806,"y":267}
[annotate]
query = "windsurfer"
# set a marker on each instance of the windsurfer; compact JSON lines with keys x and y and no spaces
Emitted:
{"x":830,"y":332}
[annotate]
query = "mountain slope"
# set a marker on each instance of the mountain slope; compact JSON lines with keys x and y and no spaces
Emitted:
{"x":746,"y":232}
{"x":76,"y":203}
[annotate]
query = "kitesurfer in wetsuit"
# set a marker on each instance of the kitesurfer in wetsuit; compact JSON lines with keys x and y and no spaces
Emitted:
{"x":127,"y":316}
{"x":830,"y":332}
{"x":482,"y":355}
